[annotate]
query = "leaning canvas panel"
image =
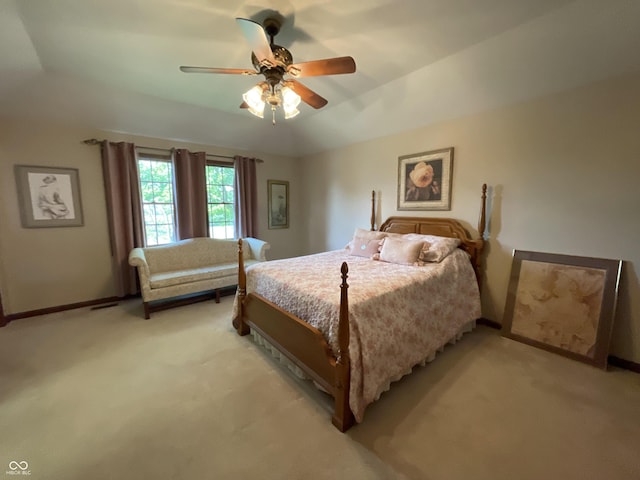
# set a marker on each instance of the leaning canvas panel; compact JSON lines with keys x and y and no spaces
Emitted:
{"x":564,"y":304}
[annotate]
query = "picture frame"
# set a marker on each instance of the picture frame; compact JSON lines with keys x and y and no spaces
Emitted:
{"x":424,"y":180}
{"x":562,"y":303}
{"x":48,"y":196}
{"x":278,"y":192}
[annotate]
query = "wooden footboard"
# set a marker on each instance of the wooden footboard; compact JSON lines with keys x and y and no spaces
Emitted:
{"x":301,"y":343}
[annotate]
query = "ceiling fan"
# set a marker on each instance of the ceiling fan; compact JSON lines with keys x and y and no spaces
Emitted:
{"x":280,"y":87}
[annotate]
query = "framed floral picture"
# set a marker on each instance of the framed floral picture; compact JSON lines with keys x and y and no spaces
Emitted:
{"x":424,"y":180}
{"x":48,"y":196}
{"x":278,"y":203}
{"x":563,"y":303}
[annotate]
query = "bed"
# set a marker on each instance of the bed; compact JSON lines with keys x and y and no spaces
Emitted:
{"x":385,"y":319}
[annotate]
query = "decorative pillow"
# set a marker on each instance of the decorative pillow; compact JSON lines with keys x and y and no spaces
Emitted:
{"x":400,"y":250}
{"x":369,"y":234}
{"x":363,"y":247}
{"x":364,"y":235}
{"x":435,"y":248}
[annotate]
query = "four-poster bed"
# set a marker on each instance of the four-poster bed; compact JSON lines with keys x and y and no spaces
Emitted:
{"x":443,"y":296}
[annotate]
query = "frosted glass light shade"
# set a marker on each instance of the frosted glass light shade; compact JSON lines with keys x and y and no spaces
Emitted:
{"x":290,"y":102}
{"x":253,"y":98}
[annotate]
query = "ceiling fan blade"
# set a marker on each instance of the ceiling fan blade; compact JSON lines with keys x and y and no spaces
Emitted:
{"x":307,"y":95}
{"x":257,"y":38}
{"x":230,"y":71}
{"x":328,"y":66}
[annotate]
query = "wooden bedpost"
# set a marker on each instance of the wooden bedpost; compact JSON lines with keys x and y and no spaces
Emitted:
{"x":238,"y":322}
{"x":480,"y":242}
{"x":343,"y":416}
{"x":373,"y":210}
{"x":483,"y":212}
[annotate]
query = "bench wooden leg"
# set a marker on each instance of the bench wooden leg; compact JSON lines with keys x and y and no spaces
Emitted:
{"x":147,"y":312}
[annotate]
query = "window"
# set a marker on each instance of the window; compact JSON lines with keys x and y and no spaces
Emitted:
{"x":158,"y":207}
{"x":157,"y":190}
{"x":220,"y":210}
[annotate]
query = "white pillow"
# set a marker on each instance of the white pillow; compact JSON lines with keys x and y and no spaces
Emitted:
{"x":400,"y":250}
{"x":435,"y":248}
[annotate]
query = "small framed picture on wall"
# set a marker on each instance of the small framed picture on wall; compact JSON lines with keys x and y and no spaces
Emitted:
{"x":278,"y":191}
{"x":48,"y":196}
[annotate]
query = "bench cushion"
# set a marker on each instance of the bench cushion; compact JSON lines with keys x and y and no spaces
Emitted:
{"x":190,"y":275}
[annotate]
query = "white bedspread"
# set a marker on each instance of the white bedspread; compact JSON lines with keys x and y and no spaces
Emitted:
{"x":399,"y":316}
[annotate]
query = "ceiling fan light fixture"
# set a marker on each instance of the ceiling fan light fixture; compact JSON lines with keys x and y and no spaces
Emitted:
{"x":253,"y":98}
{"x":290,"y":113}
{"x":289,"y":97}
{"x":290,"y":102}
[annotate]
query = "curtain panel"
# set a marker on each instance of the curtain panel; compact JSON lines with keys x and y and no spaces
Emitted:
{"x":246,"y":197}
{"x":191,"y":193}
{"x":124,"y":211}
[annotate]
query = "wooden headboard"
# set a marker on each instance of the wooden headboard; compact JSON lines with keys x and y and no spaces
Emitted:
{"x":444,"y":227}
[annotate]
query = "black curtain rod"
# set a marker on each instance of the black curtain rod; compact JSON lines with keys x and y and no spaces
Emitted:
{"x":94,"y":141}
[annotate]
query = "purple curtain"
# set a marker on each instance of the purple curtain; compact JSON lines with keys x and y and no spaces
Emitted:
{"x":191,"y":193}
{"x":246,"y":197}
{"x":124,"y":211}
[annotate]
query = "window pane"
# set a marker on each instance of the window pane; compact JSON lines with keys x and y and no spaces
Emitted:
{"x":228,"y":176}
{"x":217,"y":175}
{"x":149,"y":214}
{"x":152,"y":234}
{"x":145,"y":170}
{"x":165,"y":234}
{"x":228,"y":194}
{"x":146,"y":190}
{"x":229,"y":213}
{"x":156,"y":192}
{"x":220,"y":201}
{"x":215,"y":194}
{"x":161,"y":170}
{"x":216,"y":213}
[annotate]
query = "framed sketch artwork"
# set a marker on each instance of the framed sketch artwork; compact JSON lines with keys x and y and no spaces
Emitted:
{"x":278,"y":203}
{"x":562,"y":303}
{"x":48,"y":196}
{"x":424,"y":180}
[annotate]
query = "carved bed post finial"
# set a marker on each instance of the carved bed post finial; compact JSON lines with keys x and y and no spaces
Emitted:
{"x":343,"y":325}
{"x":373,"y":210}
{"x":342,"y":415}
{"x":483,"y":212}
{"x":238,"y":322}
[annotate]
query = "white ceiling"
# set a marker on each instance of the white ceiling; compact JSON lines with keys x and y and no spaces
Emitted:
{"x":113,"y":64}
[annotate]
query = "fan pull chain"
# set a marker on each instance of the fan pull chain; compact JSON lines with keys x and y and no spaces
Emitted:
{"x":273,"y":112}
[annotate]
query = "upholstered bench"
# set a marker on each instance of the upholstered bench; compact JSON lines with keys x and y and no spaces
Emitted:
{"x":191,"y":266}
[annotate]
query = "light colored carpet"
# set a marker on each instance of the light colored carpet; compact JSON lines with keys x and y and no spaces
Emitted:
{"x":106,"y":394}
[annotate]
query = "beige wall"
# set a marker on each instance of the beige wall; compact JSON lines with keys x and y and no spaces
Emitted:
{"x":563,"y":178}
{"x":48,"y":267}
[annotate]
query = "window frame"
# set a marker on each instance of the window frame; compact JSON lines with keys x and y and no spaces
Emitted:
{"x":142,"y":155}
{"x":224,"y":164}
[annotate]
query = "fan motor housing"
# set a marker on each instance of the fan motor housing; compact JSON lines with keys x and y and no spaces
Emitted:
{"x":281,"y":54}
{"x":274,"y":74}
